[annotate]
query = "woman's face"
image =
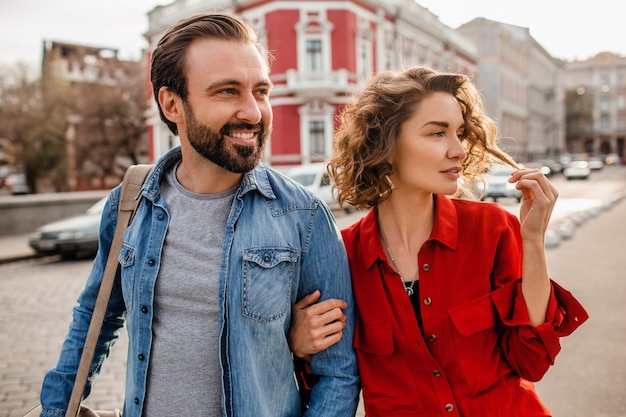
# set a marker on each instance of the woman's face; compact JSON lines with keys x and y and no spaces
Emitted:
{"x":428,"y":150}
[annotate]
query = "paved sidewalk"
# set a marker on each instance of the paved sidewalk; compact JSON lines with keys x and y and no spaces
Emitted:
{"x":14,"y":248}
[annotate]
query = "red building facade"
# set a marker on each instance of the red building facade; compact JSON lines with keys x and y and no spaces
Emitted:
{"x":323,"y":51}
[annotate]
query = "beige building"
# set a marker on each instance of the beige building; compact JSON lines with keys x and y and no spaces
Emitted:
{"x":520,"y":83}
{"x":596,"y":104}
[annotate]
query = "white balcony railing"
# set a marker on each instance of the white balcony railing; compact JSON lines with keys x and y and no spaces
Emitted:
{"x":317,"y":83}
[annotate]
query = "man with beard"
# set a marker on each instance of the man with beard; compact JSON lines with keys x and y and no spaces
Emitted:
{"x":219,"y":251}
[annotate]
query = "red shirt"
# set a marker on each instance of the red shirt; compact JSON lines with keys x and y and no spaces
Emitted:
{"x":480,"y":351}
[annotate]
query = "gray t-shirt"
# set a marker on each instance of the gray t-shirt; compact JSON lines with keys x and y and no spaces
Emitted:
{"x":184,"y":375}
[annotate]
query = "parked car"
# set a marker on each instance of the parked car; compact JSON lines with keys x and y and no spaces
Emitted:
{"x":497,"y":184}
{"x":554,"y":166}
{"x":596,"y":163}
{"x":315,"y":177}
{"x":541,"y":166}
{"x":566,"y":158}
{"x":16,"y":183}
{"x":577,"y":170}
{"x":5,"y":171}
{"x":611,"y":159}
{"x":72,"y":237}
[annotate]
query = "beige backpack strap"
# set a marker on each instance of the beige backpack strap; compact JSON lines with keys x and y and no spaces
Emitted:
{"x":129,"y":201}
{"x":129,"y":195}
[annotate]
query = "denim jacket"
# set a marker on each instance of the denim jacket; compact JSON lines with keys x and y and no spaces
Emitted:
{"x":280,"y":244}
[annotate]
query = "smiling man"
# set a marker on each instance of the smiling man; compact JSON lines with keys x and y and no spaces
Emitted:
{"x":220,"y":250}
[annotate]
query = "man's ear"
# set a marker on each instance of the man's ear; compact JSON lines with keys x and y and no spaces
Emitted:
{"x":171,"y":105}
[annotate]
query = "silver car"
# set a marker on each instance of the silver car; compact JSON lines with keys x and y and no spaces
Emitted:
{"x":315,"y":177}
{"x":577,"y":170}
{"x":16,"y":183}
{"x":71,"y":237}
{"x":497,"y":184}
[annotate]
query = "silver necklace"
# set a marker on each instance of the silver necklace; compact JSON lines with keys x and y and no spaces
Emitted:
{"x":408,"y":288}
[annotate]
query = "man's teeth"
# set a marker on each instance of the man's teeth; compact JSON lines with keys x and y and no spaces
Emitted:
{"x":243,"y":135}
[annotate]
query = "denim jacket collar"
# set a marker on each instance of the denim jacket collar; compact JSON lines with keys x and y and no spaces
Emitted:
{"x":257,"y":179}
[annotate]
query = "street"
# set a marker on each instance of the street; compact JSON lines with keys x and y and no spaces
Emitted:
{"x":587,"y":380}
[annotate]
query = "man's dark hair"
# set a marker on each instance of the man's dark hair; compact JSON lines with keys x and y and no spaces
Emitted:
{"x":168,"y":59}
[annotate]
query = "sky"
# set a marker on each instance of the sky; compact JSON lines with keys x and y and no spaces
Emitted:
{"x":567,"y":29}
{"x":119,"y":24}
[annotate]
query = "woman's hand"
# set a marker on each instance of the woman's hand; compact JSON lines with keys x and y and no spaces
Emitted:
{"x":538,"y":199}
{"x":315,"y":327}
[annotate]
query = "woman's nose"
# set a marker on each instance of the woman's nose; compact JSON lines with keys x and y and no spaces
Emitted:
{"x":457,"y":149}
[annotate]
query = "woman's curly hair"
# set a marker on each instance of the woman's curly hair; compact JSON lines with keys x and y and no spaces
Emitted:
{"x":366,"y":137}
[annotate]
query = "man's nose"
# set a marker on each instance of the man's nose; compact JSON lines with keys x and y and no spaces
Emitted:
{"x":249,"y":110}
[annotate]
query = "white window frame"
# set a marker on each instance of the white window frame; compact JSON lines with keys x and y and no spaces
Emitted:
{"x":315,"y":111}
{"x":364,"y":60}
{"x":320,"y":31}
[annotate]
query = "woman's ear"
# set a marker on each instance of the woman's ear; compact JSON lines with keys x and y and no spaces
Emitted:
{"x":171,"y":105}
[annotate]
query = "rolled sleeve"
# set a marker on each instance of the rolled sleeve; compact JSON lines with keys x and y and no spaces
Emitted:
{"x":524,"y":343}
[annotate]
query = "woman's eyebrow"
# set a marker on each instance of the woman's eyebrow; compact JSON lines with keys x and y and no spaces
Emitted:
{"x":436,"y":123}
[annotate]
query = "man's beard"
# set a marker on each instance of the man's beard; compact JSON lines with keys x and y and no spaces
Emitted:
{"x":212,"y":145}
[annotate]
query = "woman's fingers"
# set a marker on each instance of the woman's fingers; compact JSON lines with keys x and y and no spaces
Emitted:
{"x":316,"y":326}
{"x":538,"y":199}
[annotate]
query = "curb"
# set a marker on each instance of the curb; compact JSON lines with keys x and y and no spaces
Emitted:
{"x":18,"y":258}
{"x":564,"y":229}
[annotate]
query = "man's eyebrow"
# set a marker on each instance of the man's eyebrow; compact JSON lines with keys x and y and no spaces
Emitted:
{"x":228,"y":81}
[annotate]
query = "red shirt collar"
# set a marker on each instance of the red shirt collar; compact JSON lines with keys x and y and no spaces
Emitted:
{"x":445,"y":230}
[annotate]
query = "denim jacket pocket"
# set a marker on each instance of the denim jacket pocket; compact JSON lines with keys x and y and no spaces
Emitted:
{"x":476,"y":342}
{"x":126,"y":259}
{"x":268,"y":274}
